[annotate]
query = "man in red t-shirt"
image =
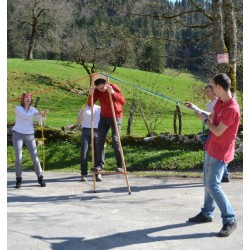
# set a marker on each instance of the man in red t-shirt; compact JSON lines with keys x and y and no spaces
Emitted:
{"x":101,"y":92}
{"x":223,"y":124}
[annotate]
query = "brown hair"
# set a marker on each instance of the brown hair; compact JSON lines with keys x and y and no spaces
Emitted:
{"x":209,"y":86}
{"x":25,"y":95}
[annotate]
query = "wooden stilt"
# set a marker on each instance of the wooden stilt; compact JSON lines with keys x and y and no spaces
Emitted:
{"x":92,"y":134}
{"x":119,"y":141}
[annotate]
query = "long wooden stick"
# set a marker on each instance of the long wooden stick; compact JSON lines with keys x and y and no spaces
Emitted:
{"x":92,"y":134}
{"x":119,"y":141}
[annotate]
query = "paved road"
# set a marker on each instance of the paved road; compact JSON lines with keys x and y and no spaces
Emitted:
{"x":68,"y":215}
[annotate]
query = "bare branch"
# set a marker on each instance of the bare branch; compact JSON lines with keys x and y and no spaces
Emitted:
{"x":201,"y":10}
{"x":193,"y":26}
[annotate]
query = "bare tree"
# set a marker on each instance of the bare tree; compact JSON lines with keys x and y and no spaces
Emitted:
{"x":98,"y":48}
{"x":41,"y":23}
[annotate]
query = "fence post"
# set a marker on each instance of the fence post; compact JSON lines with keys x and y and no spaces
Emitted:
{"x":178,"y":113}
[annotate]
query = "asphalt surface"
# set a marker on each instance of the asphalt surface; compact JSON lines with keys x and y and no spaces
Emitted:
{"x":67,"y":214}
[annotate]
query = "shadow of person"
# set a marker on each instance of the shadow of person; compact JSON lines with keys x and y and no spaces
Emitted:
{"x":121,"y":239}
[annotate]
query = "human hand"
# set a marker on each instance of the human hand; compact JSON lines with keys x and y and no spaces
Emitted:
{"x":192,"y":106}
{"x":44,"y":113}
{"x":110,"y":89}
{"x":91,"y":90}
{"x":188,"y":104}
{"x":201,"y":116}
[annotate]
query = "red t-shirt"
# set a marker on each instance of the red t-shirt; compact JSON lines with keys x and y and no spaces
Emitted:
{"x":222,"y":147}
{"x":103,"y":97}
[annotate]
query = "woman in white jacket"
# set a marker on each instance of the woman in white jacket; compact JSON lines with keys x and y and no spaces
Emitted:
{"x":23,"y":132}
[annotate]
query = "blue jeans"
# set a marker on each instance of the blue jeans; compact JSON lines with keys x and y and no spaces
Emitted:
{"x":85,"y":147}
{"x":103,"y":127}
{"x":226,"y":173}
{"x":213,"y":171}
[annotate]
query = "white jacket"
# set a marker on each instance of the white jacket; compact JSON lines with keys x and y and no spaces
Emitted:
{"x":24,"y":120}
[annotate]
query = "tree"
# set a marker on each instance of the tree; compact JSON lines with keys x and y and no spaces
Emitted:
{"x":40,"y":23}
{"x":214,"y":21}
{"x":225,"y":37}
{"x":99,"y":47}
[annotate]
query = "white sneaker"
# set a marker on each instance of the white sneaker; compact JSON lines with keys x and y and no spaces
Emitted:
{"x":84,"y":178}
{"x":98,"y":177}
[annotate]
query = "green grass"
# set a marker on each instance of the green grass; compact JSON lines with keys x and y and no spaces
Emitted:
{"x":64,"y":104}
{"x":40,"y":75}
{"x":64,"y":156}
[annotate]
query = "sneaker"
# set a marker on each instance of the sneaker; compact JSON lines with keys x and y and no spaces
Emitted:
{"x":98,"y":177}
{"x":96,"y":169}
{"x":120,"y":170}
{"x":18,"y":182}
{"x":227,"y":228}
{"x":225,"y":179}
{"x":200,"y":218}
{"x":84,"y":178}
{"x":41,"y":181}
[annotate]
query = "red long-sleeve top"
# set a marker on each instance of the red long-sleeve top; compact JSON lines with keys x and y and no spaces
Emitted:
{"x":103,"y":97}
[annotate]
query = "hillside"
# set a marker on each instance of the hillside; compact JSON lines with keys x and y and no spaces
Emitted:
{"x":62,"y":88}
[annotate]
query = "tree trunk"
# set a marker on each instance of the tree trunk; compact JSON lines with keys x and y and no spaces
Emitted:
{"x":131,"y":116}
{"x":230,"y":31}
{"x":224,"y":37}
{"x":218,"y":34}
{"x":30,"y":50}
{"x":32,"y":40}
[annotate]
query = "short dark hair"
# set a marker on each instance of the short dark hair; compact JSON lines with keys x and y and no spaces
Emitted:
{"x":223,"y":80}
{"x":99,"y":81}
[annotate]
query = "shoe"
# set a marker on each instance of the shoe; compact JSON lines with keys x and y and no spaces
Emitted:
{"x":200,"y":218}
{"x":96,"y":169}
{"x":98,"y":177}
{"x":41,"y":181}
{"x":84,"y":178}
{"x":120,"y":170}
{"x":227,"y":228}
{"x":225,"y":179}
{"x":18,"y":182}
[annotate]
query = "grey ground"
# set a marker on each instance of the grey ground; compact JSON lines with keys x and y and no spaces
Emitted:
{"x":68,"y":215}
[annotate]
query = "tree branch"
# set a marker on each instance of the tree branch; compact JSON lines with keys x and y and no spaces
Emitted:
{"x":201,"y":10}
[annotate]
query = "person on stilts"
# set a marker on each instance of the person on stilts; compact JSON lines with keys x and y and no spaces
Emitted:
{"x":101,"y":92}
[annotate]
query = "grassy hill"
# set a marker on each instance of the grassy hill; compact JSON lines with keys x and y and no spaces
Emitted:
{"x":63,"y":87}
{"x":41,"y":75}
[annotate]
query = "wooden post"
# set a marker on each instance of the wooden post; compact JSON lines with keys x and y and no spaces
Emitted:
{"x":119,"y":140}
{"x":175,"y":126}
{"x":92,"y":133}
{"x":178,"y":113}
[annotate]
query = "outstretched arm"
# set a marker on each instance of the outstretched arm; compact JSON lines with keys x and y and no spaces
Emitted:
{"x":207,"y":115}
